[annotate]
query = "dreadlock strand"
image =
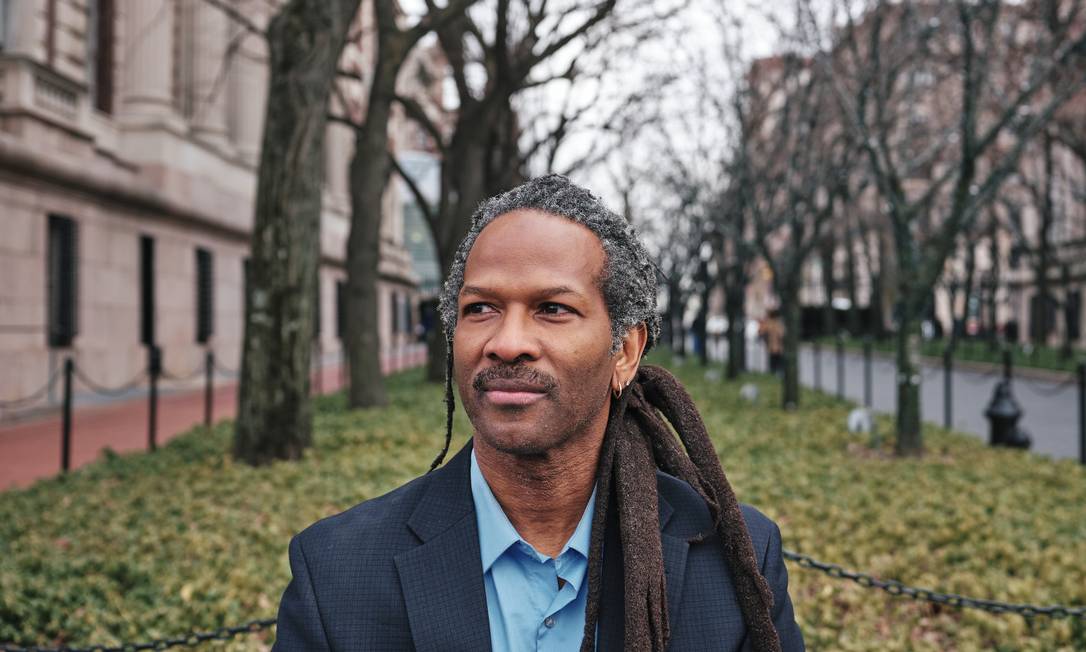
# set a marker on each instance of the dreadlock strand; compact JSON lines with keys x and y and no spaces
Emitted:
{"x":755,"y":598}
{"x":450,"y":407}
{"x":668,"y":452}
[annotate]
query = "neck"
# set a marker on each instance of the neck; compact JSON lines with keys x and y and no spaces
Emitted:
{"x":543,"y":496}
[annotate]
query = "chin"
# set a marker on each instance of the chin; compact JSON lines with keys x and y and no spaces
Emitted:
{"x":517,"y":440}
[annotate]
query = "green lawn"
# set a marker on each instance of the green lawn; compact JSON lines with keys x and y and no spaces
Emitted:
{"x":142,"y":546}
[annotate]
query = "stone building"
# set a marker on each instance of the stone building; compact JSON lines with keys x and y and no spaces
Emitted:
{"x":129,"y":136}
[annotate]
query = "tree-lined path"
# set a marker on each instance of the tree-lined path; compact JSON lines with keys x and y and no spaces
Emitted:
{"x":1050,"y":411}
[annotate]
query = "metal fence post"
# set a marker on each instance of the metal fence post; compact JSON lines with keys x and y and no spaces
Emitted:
{"x":1082,"y":412}
{"x":816,"y":349}
{"x":66,"y":423}
{"x":867,"y":371}
{"x":1008,"y":364}
{"x":209,"y":386}
{"x":948,"y":372}
{"x":840,"y":366}
{"x":154,"y":368}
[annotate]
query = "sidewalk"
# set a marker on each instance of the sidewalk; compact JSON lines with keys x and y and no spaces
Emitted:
{"x":31,"y":450}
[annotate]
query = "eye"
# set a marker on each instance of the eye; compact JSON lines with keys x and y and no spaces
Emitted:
{"x":478,"y":309}
{"x":552,"y":308}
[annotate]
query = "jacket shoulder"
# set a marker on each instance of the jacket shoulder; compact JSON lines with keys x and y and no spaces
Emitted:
{"x":691,"y":515}
{"x":379,"y":522}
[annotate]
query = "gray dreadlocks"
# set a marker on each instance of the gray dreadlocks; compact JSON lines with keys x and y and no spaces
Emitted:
{"x":637,"y":440}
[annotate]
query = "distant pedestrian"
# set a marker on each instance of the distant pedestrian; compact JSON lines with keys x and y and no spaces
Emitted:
{"x":771,"y":330}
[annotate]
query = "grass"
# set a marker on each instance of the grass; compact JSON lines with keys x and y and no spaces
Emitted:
{"x":144,"y":546}
{"x":975,"y":350}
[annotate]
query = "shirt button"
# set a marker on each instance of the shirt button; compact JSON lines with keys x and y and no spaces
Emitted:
{"x":549,"y":621}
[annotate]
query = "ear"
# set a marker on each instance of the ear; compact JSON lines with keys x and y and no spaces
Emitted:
{"x":628,"y":357}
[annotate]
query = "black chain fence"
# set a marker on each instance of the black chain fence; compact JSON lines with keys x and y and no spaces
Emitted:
{"x":929,"y":595}
{"x":33,"y":397}
{"x":104,"y":390}
{"x":866,"y":580}
{"x":1049,"y":388}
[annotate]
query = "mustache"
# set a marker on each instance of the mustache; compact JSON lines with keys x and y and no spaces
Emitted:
{"x":516,"y":372}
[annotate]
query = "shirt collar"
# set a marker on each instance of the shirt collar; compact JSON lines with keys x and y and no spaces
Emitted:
{"x":497,"y":534}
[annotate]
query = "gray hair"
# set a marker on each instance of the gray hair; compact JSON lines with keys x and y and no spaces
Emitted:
{"x":628,"y":280}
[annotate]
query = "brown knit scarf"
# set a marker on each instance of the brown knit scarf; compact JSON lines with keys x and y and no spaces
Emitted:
{"x":636,"y":443}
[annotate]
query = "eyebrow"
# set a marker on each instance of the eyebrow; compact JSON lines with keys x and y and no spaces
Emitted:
{"x":554,"y":291}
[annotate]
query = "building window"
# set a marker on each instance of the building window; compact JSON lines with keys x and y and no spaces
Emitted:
{"x":341,"y":309}
{"x":205,"y":297}
{"x":100,"y":26}
{"x":62,"y":281}
{"x":147,"y":290}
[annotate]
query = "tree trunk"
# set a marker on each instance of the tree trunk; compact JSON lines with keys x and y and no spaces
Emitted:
{"x":829,"y":318}
{"x":1069,"y":308}
{"x":850,"y":280}
{"x":993,"y":285}
{"x":909,"y":435}
{"x":967,"y":287}
{"x":735,"y":294}
{"x":675,"y":315}
{"x":274,"y":418}
{"x":790,"y":311}
{"x":1040,"y":325}
{"x":701,"y":320}
{"x":369,"y":173}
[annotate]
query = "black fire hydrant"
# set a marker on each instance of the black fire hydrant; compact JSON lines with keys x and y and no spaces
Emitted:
{"x":1003,"y":413}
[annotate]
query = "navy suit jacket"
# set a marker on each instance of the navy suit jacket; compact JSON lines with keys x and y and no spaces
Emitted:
{"x":402,"y":572}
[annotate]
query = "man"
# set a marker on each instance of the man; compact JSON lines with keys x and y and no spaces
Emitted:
{"x":552,"y":529}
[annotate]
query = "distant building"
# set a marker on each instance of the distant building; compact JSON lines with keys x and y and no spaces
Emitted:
{"x":129,"y":136}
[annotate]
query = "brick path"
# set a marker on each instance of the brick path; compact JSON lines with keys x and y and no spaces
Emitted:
{"x":30,"y":450}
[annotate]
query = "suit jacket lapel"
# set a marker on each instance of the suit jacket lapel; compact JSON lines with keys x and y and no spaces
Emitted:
{"x":612,"y":607}
{"x":442,"y":579}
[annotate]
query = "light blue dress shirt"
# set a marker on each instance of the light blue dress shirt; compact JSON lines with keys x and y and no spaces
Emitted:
{"x":527,"y":609}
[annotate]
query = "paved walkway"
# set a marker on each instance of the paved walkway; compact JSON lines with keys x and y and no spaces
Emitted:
{"x":31,"y":450}
{"x":1050,"y":407}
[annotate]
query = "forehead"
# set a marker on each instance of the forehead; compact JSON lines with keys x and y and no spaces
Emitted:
{"x":531,"y":247}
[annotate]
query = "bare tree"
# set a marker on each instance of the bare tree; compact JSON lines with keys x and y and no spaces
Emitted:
{"x":798,"y":164}
{"x":944,"y":98}
{"x":274,"y":421}
{"x":369,"y":172}
{"x":494,"y":53}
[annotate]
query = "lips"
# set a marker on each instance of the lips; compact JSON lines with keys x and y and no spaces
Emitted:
{"x":513,"y":392}
{"x":513,"y":386}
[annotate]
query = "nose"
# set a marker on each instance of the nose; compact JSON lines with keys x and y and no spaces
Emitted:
{"x":513,"y":339}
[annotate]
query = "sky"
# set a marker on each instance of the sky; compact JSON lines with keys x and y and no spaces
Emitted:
{"x":694,"y":35}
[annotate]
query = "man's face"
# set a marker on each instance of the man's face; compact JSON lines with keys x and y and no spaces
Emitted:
{"x":532,"y":344}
